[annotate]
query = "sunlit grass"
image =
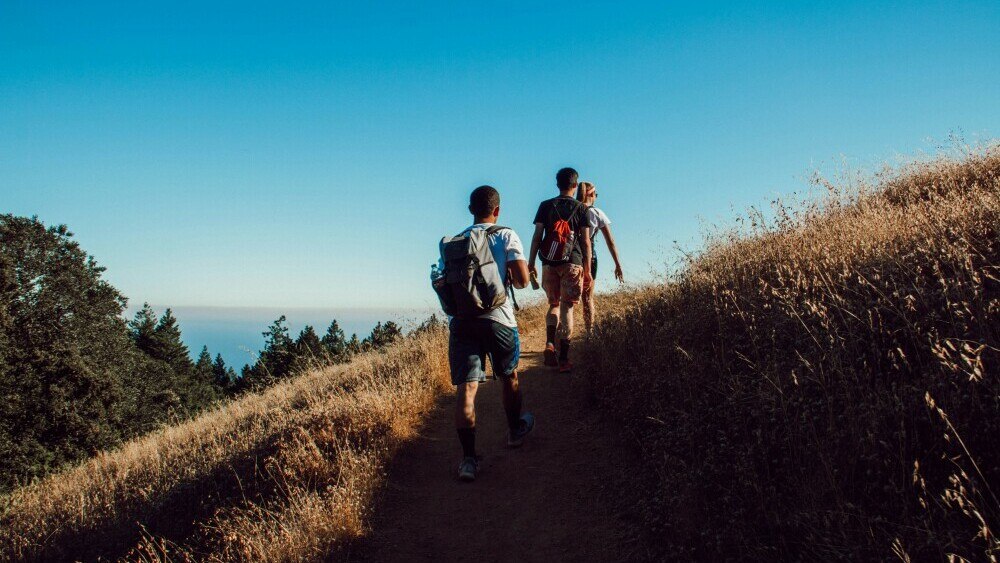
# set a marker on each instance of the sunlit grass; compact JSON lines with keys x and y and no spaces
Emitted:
{"x":782,"y":384}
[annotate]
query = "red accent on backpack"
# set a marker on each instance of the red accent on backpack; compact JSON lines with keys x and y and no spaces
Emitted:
{"x":560,"y":239}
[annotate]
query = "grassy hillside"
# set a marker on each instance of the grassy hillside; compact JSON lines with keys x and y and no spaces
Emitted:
{"x":824,"y":385}
{"x":283,"y":475}
{"x":287,"y":474}
{"x":820,"y":385}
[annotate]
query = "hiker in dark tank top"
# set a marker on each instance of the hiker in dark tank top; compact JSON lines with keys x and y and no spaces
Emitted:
{"x":562,"y":241}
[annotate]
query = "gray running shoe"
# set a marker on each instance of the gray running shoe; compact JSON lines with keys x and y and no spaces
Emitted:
{"x":467,"y":469}
{"x":516,"y":437}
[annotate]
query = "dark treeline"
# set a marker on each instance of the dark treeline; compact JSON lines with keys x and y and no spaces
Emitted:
{"x":282,"y":356}
{"x":76,"y":377}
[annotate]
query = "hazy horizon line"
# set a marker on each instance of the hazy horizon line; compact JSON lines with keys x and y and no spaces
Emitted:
{"x":284,"y":308}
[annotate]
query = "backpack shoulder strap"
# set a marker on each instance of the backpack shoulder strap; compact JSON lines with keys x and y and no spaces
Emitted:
{"x":575,"y":210}
{"x":554,"y":208}
{"x":508,"y":285}
{"x":496,"y":229}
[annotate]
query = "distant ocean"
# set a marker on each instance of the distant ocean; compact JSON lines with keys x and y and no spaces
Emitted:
{"x":235,"y":332}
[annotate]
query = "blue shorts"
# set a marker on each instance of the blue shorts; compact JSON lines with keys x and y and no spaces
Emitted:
{"x":469,"y":343}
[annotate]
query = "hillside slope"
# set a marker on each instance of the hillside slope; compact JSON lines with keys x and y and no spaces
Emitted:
{"x":817,"y":387}
{"x":825,"y":386}
{"x":284,"y":475}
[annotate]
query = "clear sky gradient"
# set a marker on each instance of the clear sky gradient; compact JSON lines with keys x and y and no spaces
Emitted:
{"x":311,"y":154}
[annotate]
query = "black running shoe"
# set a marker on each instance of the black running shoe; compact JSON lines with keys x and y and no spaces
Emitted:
{"x":467,"y":469}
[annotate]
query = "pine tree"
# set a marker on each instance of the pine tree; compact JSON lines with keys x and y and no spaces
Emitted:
{"x":142,"y":328}
{"x":369,"y":342}
{"x":156,"y":392}
{"x":383,"y":335}
{"x":334,"y":342}
{"x":245,"y":381}
{"x":169,"y":347}
{"x":179,"y":389}
{"x":308,"y":350}
{"x":275,"y":361}
{"x":278,"y":349}
{"x":308,"y":343}
{"x":202,"y":389}
{"x":203,"y":365}
{"x":391,"y":332}
{"x":354,"y":346}
{"x":223,"y":377}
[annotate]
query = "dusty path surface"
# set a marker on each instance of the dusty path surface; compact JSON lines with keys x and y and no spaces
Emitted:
{"x":547,"y":501}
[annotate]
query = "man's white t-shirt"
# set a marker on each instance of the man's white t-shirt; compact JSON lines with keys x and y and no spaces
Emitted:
{"x":506,"y":247}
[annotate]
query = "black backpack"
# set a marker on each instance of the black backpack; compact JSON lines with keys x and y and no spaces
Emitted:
{"x":560,"y":236}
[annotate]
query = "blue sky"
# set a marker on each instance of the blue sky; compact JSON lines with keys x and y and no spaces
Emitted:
{"x":310,"y":154}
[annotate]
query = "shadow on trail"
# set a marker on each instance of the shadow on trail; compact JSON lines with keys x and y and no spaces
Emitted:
{"x":549,"y":500}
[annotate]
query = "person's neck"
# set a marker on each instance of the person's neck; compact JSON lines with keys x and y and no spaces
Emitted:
{"x":486,"y":220}
{"x":567,"y":193}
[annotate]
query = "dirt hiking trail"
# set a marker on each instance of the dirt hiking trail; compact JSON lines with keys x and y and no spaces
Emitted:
{"x":549,"y":500}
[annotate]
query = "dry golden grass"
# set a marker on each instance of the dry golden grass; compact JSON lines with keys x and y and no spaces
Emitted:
{"x":284,"y":475}
{"x":280,"y":476}
{"x":817,"y":385}
{"x":823,"y":384}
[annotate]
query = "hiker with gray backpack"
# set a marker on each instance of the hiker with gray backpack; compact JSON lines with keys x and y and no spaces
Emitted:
{"x":474,"y":280}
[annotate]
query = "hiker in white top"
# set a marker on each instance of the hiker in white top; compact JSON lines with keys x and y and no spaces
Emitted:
{"x":598,"y":221}
{"x":473,"y":285}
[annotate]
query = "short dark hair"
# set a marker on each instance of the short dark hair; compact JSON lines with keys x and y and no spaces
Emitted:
{"x":566,"y":177}
{"x":483,"y":201}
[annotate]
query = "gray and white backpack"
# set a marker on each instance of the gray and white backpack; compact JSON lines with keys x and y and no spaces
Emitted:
{"x":471,"y":284}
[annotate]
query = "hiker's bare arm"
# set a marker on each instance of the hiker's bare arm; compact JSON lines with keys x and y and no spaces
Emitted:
{"x":536,"y":242}
{"x":610,"y":239}
{"x":588,"y":252}
{"x":518,"y":273}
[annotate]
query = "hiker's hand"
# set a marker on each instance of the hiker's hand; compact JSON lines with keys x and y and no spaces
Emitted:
{"x":588,"y":279}
{"x":619,"y":275}
{"x":531,"y":269}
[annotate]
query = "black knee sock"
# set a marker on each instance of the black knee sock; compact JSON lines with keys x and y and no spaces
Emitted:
{"x":467,"y":436}
{"x":550,"y":334}
{"x":514,"y":412}
{"x":563,"y":349}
